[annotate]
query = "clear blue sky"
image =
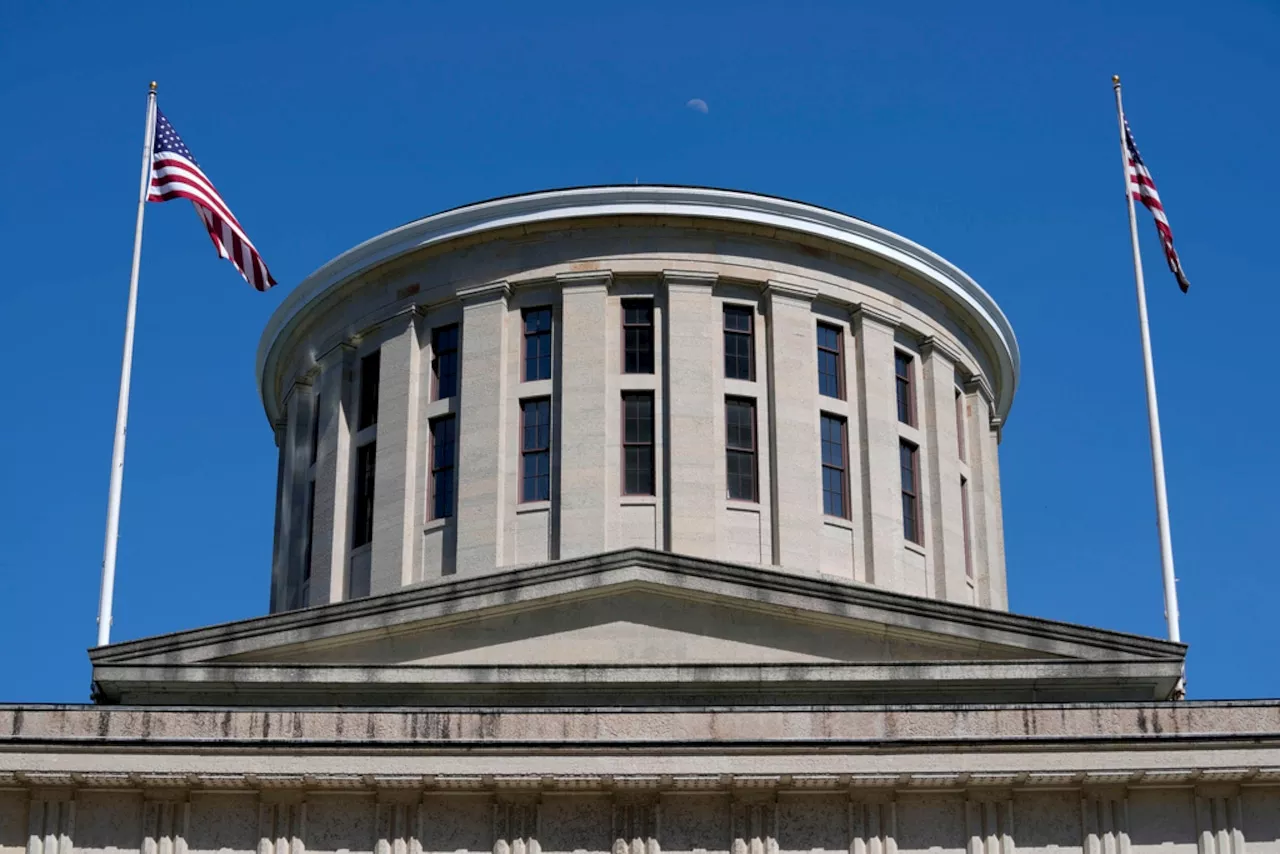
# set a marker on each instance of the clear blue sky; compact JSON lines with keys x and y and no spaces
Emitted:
{"x":985,"y":131}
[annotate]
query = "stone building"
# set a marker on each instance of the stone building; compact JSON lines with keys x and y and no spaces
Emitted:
{"x":638,"y":520}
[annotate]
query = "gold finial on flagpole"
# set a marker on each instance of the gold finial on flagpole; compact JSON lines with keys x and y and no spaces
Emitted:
{"x":153,"y":85}
{"x":1115,"y":80}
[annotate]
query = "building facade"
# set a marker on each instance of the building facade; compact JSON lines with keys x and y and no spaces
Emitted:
{"x":639,"y":520}
{"x":699,"y":371}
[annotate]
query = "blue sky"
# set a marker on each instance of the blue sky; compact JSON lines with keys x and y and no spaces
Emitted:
{"x":985,"y":131}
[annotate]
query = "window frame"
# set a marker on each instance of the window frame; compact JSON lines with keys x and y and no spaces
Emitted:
{"x":749,"y":335}
{"x":962,"y":445}
{"x":838,"y":353}
{"x":905,"y":386}
{"x":528,"y":336}
{"x":437,"y":351}
{"x":367,"y":409}
{"x":911,"y":494}
{"x":526,"y":453}
{"x":842,"y":424}
{"x":436,"y":471}
{"x":365,"y":477}
{"x":650,"y":445}
{"x":651,"y":326}
{"x":752,"y":452}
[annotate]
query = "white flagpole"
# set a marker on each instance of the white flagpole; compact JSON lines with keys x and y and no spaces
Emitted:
{"x":122,"y":405}
{"x":1153,"y":407}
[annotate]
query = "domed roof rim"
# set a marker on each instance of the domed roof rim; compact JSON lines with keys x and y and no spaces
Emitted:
{"x":649,"y":200}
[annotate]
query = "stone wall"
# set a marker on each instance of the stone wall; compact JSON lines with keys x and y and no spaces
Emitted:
{"x":643,"y":817}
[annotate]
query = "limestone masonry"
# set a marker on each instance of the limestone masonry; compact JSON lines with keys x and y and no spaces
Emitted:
{"x":639,"y":519}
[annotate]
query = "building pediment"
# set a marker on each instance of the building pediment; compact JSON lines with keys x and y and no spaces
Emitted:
{"x":637,"y":626}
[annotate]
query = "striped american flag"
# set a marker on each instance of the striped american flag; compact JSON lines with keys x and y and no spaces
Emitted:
{"x":1144,"y":190}
{"x":175,"y":175}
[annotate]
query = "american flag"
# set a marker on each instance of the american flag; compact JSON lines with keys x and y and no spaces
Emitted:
{"x":1144,"y":190}
{"x":175,"y":175}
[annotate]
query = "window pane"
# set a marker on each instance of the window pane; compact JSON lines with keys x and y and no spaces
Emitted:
{"x":902,"y":372}
{"x":910,"y":525}
{"x":737,"y":318}
{"x":828,"y":374}
{"x":537,"y":344}
{"x":828,"y":337}
{"x":444,"y":360}
{"x":370,"y":367}
{"x":833,"y":492}
{"x":362,"y":522}
{"x":907,"y":462}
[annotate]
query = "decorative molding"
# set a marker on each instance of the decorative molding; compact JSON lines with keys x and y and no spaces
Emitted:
{"x":978,"y":383}
{"x":585,"y":279}
{"x":932,"y":343}
{"x":689,"y":279}
{"x":861,"y":312}
{"x":790,"y":290}
{"x":488,"y":292}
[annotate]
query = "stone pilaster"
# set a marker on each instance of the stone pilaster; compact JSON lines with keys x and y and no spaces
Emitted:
{"x":878,"y":441}
{"x":984,"y":498}
{"x":693,"y":333}
{"x":873,"y":825}
{"x":1219,"y":820}
{"x":1104,"y":822}
{"x":397,"y":820}
{"x":51,"y":822}
{"x":333,"y":478}
{"x":942,"y":447}
{"x":794,"y":434}
{"x":296,"y":451}
{"x":583,"y":412}
{"x":988,"y":820}
{"x":482,"y":424}
{"x":166,"y":821}
{"x":754,"y":824}
{"x":396,"y":499}
{"x":516,"y":825}
{"x":636,"y":824}
{"x":282,"y":820}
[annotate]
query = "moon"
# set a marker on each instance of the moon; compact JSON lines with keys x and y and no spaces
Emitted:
{"x":698,"y":105}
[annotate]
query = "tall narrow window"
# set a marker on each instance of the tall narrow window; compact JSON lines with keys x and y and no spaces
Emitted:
{"x":835,"y":459}
{"x":964,"y":518}
{"x":637,"y":336}
{"x":311,"y":523}
{"x":637,"y":443}
{"x":960,"y":424}
{"x":830,"y":361}
{"x":362,"y":521}
{"x":315,"y":428}
{"x":740,"y":447}
{"x":444,"y":360}
{"x":535,"y":450}
{"x":739,"y":342}
{"x":909,"y":460}
{"x":370,"y":367}
{"x":537,"y":344}
{"x":903,"y":370}
{"x":443,"y":441}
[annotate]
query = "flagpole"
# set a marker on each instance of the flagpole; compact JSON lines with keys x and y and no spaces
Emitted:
{"x":122,"y":404}
{"x":1153,"y":407}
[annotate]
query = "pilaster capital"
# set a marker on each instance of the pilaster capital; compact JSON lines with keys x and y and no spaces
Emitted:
{"x":861,"y":312}
{"x":978,"y":384}
{"x":689,"y":279}
{"x":585,"y":280}
{"x":790,"y":290}
{"x":931,"y":344}
{"x":488,"y":292}
{"x":335,"y":356}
